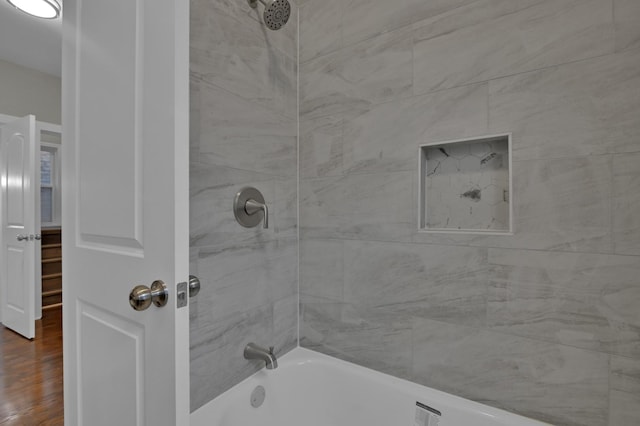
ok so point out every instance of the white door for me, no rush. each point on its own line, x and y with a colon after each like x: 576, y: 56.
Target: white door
x: 125, y: 210
x: 19, y: 156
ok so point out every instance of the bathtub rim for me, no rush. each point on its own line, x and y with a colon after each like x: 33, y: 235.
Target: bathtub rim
x: 300, y: 356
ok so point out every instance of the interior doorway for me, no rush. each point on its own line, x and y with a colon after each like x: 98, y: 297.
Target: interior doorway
x: 31, y: 370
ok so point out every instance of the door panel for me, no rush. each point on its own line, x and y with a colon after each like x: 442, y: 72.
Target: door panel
x: 15, y: 199
x: 101, y: 334
x: 18, y: 173
x: 112, y: 73
x: 125, y: 221
x: 15, y: 271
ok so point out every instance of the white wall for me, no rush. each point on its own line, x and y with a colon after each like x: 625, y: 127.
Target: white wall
x: 26, y: 91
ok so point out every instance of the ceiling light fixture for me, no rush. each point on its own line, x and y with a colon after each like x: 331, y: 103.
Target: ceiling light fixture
x: 48, y: 9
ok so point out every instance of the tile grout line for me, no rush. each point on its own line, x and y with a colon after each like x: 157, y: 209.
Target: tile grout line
x: 299, y: 320
x: 448, y: 244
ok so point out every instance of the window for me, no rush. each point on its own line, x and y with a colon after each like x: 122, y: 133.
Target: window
x: 49, y: 185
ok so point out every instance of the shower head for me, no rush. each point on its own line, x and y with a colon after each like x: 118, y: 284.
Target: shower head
x: 276, y: 12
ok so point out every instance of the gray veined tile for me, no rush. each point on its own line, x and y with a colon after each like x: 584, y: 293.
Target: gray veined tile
x: 243, y: 123
x: 626, y: 17
x: 232, y: 51
x: 204, y: 14
x: 241, y: 278
x: 624, y: 402
x: 284, y: 208
x: 562, y: 204
x: 582, y: 300
x: 583, y: 108
x: 194, y: 117
x: 468, y: 14
x: 211, y: 193
x: 494, y: 38
x: 386, y: 136
x: 363, y: 19
x: 358, y: 335
x: 625, y: 375
x: 201, y: 10
x: 626, y: 203
x: 321, y: 268
x: 207, y: 336
x: 216, y: 357
x: 436, y: 282
x: 237, y: 133
x: 321, y: 146
x: 320, y: 27
x: 374, y: 206
x: 553, y: 383
x: 322, y: 92
x: 379, y: 69
x: 285, y: 325
x: 354, y: 77
x: 623, y: 408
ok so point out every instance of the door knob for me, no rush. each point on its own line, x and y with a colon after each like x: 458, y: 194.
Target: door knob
x: 194, y: 285
x: 38, y: 237
x: 142, y: 296
x: 21, y: 237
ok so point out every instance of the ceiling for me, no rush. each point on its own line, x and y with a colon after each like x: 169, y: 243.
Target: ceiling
x: 30, y: 42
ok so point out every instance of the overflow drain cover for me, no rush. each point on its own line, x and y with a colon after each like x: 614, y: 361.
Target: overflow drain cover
x: 257, y: 396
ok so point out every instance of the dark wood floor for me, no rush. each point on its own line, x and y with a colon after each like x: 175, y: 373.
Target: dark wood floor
x: 31, y: 374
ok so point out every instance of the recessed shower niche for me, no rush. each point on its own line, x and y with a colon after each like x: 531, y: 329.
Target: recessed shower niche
x: 465, y: 186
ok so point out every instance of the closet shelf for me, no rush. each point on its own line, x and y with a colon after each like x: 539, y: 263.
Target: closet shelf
x: 50, y: 246
x: 51, y: 276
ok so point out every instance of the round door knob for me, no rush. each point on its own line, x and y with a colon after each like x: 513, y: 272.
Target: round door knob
x: 194, y: 285
x: 142, y: 296
x: 21, y: 237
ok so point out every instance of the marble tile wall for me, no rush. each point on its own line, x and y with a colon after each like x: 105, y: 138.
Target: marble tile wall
x: 545, y: 322
x: 243, y: 133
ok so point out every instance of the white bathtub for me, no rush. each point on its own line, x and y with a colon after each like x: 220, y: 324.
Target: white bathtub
x: 312, y: 389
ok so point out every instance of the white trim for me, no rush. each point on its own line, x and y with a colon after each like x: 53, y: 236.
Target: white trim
x: 40, y: 125
x: 4, y: 119
x: 470, y: 139
x: 48, y: 127
x: 422, y: 201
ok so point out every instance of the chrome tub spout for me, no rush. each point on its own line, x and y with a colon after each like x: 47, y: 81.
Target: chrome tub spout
x: 253, y: 351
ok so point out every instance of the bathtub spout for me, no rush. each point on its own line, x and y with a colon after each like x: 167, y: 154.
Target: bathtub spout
x: 253, y: 351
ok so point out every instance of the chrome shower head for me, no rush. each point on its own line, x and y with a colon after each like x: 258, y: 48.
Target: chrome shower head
x: 276, y: 12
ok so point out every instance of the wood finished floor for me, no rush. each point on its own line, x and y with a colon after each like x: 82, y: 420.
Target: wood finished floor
x: 31, y: 374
